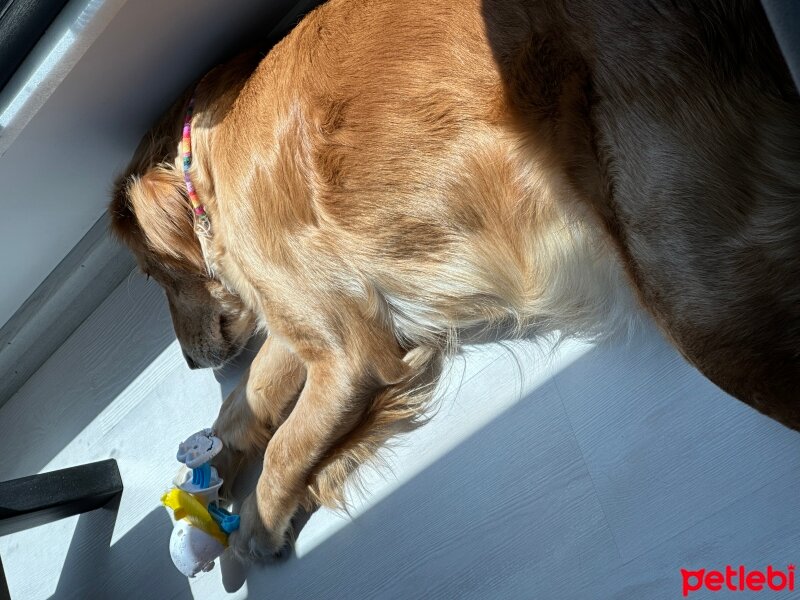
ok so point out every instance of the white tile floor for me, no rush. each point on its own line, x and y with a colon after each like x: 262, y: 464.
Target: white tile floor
x: 596, y: 474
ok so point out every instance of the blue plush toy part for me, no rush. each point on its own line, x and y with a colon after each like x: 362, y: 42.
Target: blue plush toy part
x: 201, y: 476
x: 226, y: 520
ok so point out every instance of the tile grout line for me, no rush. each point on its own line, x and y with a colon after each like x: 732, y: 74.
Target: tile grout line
x: 588, y: 471
x: 688, y: 527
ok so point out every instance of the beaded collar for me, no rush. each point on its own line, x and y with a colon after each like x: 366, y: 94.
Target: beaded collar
x: 197, y: 207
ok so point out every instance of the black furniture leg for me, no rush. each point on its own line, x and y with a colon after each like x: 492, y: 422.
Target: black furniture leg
x: 38, y: 499
x: 4, y: 593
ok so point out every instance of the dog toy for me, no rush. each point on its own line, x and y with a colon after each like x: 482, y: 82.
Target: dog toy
x: 202, y: 526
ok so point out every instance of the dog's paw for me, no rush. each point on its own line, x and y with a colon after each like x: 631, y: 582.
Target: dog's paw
x: 253, y: 542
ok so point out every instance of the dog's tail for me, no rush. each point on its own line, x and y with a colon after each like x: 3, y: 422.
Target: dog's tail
x: 396, y: 409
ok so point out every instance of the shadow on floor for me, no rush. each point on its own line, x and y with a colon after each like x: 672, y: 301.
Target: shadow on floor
x: 625, y: 454
x: 87, y: 373
x: 95, y: 569
x: 536, y: 503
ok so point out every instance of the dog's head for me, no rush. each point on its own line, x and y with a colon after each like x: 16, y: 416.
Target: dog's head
x: 151, y: 213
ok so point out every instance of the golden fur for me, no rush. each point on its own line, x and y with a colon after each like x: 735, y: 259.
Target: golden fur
x: 396, y: 178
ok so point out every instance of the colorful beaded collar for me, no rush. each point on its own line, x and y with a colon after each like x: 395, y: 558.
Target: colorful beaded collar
x: 197, y: 207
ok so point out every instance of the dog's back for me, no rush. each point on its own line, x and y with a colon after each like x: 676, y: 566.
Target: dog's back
x: 688, y: 149
x: 446, y: 161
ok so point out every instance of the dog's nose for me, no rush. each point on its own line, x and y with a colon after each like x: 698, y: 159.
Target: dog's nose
x: 189, y: 361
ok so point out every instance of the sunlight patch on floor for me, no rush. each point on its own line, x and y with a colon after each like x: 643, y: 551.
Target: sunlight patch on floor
x: 515, y: 369
x: 115, y: 430
x: 119, y: 408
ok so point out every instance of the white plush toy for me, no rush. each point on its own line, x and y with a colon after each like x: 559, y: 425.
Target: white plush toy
x: 201, y: 527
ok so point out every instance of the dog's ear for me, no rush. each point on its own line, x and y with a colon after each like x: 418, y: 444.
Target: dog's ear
x: 156, y: 209
x: 123, y: 221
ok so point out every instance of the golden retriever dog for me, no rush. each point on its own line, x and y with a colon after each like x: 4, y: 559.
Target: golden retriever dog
x: 398, y: 177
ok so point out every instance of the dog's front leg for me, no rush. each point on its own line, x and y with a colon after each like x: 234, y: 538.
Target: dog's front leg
x: 253, y: 411
x: 337, y: 391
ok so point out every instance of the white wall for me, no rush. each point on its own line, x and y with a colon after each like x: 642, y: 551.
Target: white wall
x: 56, y: 175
